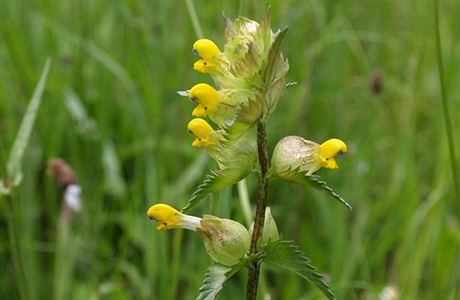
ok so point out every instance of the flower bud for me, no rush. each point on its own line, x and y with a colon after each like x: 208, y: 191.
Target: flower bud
x: 226, y: 241
x: 295, y: 153
x: 270, y: 231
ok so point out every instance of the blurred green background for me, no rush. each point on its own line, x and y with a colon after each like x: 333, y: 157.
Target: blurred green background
x: 110, y: 109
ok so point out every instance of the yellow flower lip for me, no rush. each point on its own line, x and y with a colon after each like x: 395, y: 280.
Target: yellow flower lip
x: 200, y: 66
x: 199, y: 111
x: 205, y: 67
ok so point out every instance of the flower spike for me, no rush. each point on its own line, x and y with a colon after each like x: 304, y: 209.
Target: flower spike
x: 329, y: 150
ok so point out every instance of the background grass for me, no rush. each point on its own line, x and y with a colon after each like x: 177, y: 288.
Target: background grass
x: 111, y: 110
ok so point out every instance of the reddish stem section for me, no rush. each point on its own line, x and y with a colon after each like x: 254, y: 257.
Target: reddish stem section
x: 253, y: 278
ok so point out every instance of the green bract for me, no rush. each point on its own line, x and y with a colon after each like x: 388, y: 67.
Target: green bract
x: 295, y: 154
x: 226, y: 241
x: 270, y: 231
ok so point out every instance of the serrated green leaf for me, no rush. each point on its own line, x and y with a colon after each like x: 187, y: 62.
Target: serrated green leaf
x: 214, y: 280
x: 275, y: 72
x: 316, y: 182
x: 285, y: 255
x: 214, y: 182
x: 274, y: 54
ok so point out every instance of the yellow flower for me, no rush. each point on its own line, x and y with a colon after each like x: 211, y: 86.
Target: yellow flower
x: 203, y: 66
x: 329, y: 150
x: 295, y: 154
x: 202, y: 131
x: 168, y: 217
x: 224, y: 106
x: 226, y: 241
x: 206, y: 49
x: 206, y: 97
x: 209, y: 53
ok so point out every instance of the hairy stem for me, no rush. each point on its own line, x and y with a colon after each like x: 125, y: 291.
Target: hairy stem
x: 253, y: 278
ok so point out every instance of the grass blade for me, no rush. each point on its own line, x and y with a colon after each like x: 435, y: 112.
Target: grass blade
x: 445, y: 103
x: 14, y: 164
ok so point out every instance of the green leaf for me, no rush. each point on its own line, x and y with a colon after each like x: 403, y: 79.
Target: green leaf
x: 285, y: 255
x: 316, y: 182
x: 214, y: 280
x: 214, y: 182
x: 14, y: 165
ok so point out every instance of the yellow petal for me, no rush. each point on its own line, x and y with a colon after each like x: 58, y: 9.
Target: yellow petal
x: 331, y: 163
x: 199, y: 111
x: 200, y: 66
x: 196, y: 143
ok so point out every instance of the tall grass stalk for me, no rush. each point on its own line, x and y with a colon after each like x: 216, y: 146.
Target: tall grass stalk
x: 193, y: 16
x: 445, y: 103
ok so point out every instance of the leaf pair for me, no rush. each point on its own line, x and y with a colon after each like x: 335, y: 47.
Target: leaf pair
x: 219, y: 179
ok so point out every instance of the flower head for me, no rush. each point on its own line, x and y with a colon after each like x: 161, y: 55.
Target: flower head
x: 204, y: 66
x: 202, y: 131
x: 207, y: 98
x: 168, y: 217
x: 329, y: 150
x: 296, y: 154
x: 226, y: 241
x: 209, y: 53
x: 206, y: 49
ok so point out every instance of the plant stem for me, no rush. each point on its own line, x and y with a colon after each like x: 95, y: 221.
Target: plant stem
x: 445, y: 104
x: 262, y: 189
